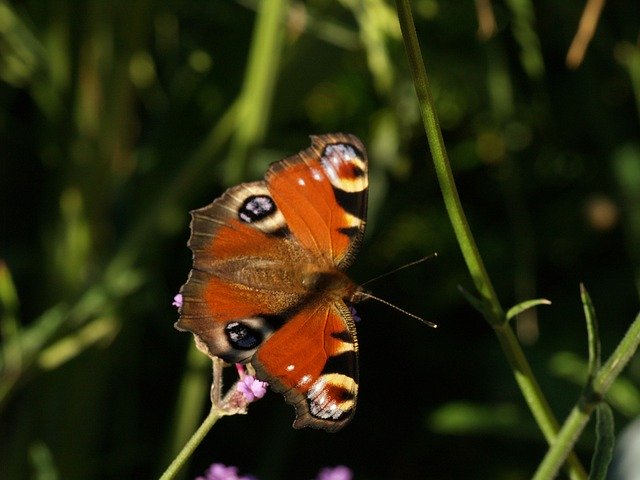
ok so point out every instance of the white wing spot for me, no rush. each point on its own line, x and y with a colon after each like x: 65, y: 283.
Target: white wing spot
x: 316, y: 174
x: 304, y: 380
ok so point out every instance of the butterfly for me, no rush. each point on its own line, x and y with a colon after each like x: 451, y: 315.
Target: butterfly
x: 268, y: 285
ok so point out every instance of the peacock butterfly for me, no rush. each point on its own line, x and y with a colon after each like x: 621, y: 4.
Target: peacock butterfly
x: 268, y: 285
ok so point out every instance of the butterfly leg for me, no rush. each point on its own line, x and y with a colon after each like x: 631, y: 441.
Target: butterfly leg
x: 216, y: 384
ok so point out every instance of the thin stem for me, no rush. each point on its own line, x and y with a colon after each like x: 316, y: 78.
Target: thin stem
x: 618, y: 359
x: 441, y: 163
x: 190, y: 403
x: 584, y: 35
x: 191, y: 445
x: 579, y: 416
x: 493, y: 311
x: 564, y: 441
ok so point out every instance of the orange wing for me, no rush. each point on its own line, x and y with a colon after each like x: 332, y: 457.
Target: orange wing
x: 322, y: 193
x: 313, y: 361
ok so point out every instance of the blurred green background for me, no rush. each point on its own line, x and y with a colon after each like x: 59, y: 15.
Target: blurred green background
x: 117, y: 118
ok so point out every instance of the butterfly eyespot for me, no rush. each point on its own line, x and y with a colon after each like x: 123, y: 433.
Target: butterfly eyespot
x: 345, y: 167
x: 256, y: 208
x: 242, y: 337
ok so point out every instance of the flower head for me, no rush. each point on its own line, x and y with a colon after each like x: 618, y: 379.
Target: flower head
x: 354, y: 314
x: 339, y: 472
x: 252, y: 388
x: 219, y: 471
x: 177, y: 301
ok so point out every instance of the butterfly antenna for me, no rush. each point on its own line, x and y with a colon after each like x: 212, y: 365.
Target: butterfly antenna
x: 409, y: 314
x: 411, y: 264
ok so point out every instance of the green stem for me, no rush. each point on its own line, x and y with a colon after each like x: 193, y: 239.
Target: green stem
x: 493, y: 311
x: 579, y: 416
x: 526, y: 380
x: 190, y: 402
x: 442, y: 166
x: 195, y: 440
x: 619, y: 359
x: 564, y: 441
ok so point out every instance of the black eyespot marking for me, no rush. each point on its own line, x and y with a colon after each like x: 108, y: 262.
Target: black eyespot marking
x: 256, y: 208
x: 242, y: 336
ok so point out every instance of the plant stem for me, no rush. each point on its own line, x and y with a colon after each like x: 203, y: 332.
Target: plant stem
x: 442, y: 166
x: 493, y: 311
x: 190, y: 403
x: 191, y: 445
x: 579, y: 416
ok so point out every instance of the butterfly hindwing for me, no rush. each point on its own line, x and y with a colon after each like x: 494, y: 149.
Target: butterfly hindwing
x: 267, y: 283
x: 313, y: 361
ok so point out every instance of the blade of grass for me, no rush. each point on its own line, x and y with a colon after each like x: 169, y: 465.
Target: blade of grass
x: 592, y: 332
x: 10, y: 328
x: 589, y: 400
x: 526, y: 305
x: 605, y: 441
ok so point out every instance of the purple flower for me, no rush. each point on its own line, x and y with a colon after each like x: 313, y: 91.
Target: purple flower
x: 177, y: 300
x: 339, y: 472
x: 252, y: 388
x: 219, y: 471
x: 354, y: 314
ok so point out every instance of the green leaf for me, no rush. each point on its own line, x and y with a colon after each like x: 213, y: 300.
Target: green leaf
x: 592, y: 331
x: 473, y: 300
x: 604, y: 443
x: 42, y: 462
x: 10, y: 329
x: 526, y: 305
x: 467, y: 418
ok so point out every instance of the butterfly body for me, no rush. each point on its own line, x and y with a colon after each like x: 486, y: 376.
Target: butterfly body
x: 268, y: 284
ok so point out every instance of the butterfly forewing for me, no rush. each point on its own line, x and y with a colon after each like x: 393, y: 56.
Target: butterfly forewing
x: 322, y: 192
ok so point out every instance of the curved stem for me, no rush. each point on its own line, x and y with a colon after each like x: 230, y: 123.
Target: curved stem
x: 580, y: 414
x: 442, y: 166
x: 190, y: 446
x: 492, y: 309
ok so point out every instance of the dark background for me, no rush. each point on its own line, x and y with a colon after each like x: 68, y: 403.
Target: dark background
x: 114, y: 123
